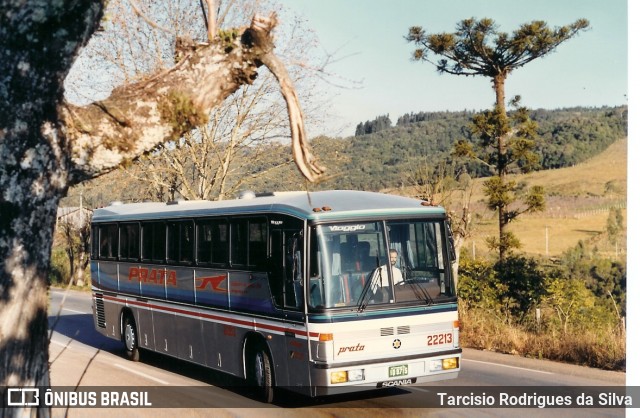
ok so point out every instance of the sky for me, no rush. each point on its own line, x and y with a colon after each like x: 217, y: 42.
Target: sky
x: 374, y: 61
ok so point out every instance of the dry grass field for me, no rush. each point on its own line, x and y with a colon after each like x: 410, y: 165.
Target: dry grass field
x: 578, y: 202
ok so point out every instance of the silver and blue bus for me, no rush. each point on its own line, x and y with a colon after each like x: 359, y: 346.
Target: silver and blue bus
x: 316, y: 292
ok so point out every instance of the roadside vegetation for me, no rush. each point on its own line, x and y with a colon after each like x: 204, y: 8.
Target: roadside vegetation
x: 572, y: 312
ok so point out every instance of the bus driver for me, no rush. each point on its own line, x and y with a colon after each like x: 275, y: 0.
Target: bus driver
x: 395, y: 271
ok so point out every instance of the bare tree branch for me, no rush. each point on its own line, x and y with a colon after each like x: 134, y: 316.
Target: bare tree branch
x: 302, y: 155
x: 211, y: 18
x: 173, y: 102
x: 136, y: 8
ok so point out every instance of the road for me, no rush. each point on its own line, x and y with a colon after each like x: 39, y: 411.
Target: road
x: 81, y: 356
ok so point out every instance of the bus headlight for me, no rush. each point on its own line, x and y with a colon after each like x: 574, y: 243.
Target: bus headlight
x: 344, y: 376
x: 339, y: 377
x: 355, y: 375
x: 450, y: 363
x: 444, y: 364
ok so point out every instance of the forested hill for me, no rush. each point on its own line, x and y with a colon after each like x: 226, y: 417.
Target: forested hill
x: 386, y: 157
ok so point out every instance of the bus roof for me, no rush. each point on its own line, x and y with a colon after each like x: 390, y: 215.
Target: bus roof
x: 319, y: 206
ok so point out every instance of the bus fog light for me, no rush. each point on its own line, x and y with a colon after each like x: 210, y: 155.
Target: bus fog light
x: 339, y: 377
x: 356, y: 375
x: 450, y: 363
x: 436, y: 365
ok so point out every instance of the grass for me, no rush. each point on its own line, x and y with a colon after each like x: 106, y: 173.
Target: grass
x: 603, y: 349
x: 577, y: 207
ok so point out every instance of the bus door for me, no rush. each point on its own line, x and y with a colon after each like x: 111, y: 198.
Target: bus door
x: 286, y: 281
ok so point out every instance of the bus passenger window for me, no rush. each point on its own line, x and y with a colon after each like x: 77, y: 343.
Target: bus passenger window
x: 95, y: 242
x: 186, y: 242
x: 129, y: 242
x: 205, y: 242
x: 239, y: 242
x: 154, y: 239
x: 258, y: 242
x: 180, y: 236
x: 172, y: 242
x: 220, y: 237
x: 108, y: 241
x: 293, y: 271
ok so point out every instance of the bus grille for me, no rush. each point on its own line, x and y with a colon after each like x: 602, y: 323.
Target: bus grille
x: 100, y: 320
x: 386, y: 331
x: 404, y: 329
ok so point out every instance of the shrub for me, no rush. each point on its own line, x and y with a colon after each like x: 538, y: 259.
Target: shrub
x: 498, y: 306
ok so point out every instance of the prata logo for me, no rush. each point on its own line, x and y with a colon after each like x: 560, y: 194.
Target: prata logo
x: 347, y: 228
x: 352, y: 348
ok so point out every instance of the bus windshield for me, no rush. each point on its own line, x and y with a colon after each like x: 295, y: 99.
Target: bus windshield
x: 357, y: 265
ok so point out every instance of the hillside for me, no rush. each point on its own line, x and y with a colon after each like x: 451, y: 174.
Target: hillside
x: 389, y: 158
x: 578, y: 202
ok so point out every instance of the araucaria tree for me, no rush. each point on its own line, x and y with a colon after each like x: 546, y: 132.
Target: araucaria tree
x: 47, y: 144
x: 477, y: 48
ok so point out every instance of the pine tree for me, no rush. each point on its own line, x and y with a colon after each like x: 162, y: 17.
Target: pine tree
x: 477, y: 48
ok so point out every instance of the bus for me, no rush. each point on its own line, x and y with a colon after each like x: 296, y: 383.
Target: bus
x: 316, y: 292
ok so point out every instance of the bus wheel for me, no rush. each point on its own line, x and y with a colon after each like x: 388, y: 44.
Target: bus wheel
x: 131, y: 339
x: 262, y: 375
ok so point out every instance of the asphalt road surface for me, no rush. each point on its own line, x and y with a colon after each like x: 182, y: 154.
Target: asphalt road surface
x: 82, y: 357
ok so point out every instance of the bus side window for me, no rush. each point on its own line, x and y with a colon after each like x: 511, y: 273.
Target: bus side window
x: 180, y: 240
x: 276, y: 261
x: 212, y: 243
x: 221, y: 243
x: 108, y: 241
x: 239, y: 247
x: 130, y: 241
x: 316, y: 281
x: 258, y: 243
x: 187, y: 242
x: 285, y: 268
x: 154, y: 239
x: 204, y: 242
x: 172, y: 241
x: 293, y: 272
x: 95, y: 242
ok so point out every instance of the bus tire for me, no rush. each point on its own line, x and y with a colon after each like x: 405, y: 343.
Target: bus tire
x: 130, y: 338
x: 261, y: 374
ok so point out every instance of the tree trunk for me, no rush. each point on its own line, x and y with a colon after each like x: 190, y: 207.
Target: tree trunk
x: 81, y: 268
x: 498, y: 86
x: 39, y: 42
x: 25, y: 246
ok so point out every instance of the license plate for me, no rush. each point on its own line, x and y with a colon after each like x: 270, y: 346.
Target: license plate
x: 401, y: 370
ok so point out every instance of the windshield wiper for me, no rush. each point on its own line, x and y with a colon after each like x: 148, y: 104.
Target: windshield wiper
x: 363, y: 301
x: 420, y: 292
